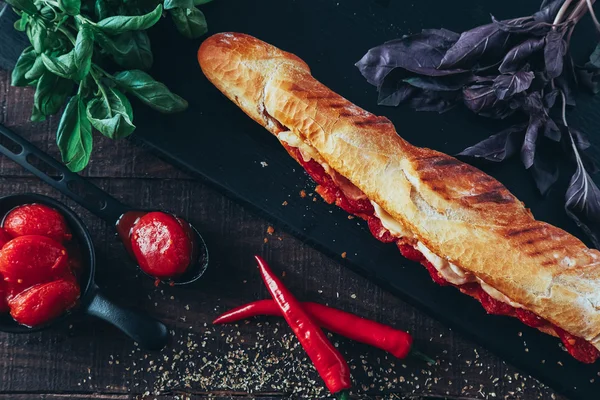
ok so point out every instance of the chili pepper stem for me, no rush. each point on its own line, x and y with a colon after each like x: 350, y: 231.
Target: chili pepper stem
x: 417, y: 354
x: 343, y: 395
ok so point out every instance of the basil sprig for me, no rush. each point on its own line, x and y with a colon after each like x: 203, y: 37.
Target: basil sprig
x: 71, y: 42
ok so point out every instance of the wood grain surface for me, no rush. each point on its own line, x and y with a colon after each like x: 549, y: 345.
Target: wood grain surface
x: 88, y: 359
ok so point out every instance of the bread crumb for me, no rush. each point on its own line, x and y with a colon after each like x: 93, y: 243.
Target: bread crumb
x: 303, y: 193
x: 285, y: 203
x: 344, y: 255
x: 280, y: 239
x: 270, y: 230
x: 265, y: 240
x: 314, y: 199
x: 264, y: 164
x: 350, y: 216
x: 283, y: 274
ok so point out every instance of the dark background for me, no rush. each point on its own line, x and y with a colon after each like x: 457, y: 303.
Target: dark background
x: 220, y: 143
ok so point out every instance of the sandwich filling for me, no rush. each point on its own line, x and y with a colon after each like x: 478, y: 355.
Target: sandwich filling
x: 336, y: 189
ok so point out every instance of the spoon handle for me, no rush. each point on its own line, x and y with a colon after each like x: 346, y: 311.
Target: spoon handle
x: 150, y: 333
x: 60, y: 177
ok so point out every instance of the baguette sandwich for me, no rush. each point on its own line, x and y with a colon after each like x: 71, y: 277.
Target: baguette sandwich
x: 465, y: 227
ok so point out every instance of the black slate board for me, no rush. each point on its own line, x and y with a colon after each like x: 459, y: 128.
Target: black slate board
x: 217, y: 142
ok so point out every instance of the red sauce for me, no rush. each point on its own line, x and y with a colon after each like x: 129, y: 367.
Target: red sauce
x: 37, y: 219
x: 377, y: 230
x: 579, y: 348
x: 162, y: 244
x: 329, y: 190
x: 38, y: 274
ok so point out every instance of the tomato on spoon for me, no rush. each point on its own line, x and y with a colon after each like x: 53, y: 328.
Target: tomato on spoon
x: 161, y: 244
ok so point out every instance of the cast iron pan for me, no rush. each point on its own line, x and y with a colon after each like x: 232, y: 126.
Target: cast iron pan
x: 148, y: 332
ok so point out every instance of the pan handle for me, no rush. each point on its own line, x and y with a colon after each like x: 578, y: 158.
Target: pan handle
x: 150, y: 333
x: 60, y: 177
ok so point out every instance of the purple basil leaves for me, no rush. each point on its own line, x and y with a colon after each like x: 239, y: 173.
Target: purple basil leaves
x: 554, y: 52
x: 497, y: 147
x: 519, y: 66
x: 472, y: 45
x: 519, y: 54
x: 420, y: 53
x: 582, y: 200
x: 548, y: 10
x: 507, y: 85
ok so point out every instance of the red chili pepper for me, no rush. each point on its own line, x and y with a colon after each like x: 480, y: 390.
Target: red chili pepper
x: 394, y: 341
x: 328, y: 362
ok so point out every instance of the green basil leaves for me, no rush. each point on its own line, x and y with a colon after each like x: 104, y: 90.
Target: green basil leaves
x: 83, y: 50
x: 129, y: 49
x: 150, y: 92
x: 74, y: 135
x: 119, y: 24
x: 190, y: 22
x: 25, y: 5
x: 73, y: 41
x: 51, y: 93
x: 170, y: 4
x: 111, y: 113
x: 71, y: 7
x: 24, y: 64
x: 63, y: 66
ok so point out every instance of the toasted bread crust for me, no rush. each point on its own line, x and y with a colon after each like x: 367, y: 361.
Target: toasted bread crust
x: 456, y: 210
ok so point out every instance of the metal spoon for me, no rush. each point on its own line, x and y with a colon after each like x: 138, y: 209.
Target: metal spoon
x: 90, y: 196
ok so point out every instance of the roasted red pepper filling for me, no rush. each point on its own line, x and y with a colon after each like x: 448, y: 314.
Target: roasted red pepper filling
x: 579, y: 348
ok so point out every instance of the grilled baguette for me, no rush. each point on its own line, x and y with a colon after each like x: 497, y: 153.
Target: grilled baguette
x: 456, y: 210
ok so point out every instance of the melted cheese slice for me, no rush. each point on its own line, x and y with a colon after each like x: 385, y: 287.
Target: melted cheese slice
x: 389, y: 223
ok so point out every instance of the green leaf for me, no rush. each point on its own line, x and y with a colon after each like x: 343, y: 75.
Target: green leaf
x: 169, y: 4
x: 23, y: 65
x: 21, y: 23
x: 24, y: 5
x: 111, y: 114
x: 36, y: 115
x: 129, y: 49
x: 119, y: 24
x: 102, y: 9
x: 51, y: 93
x: 37, y: 35
x: 74, y: 135
x: 48, y: 13
x: 83, y: 50
x: 71, y: 7
x: 189, y: 22
x: 150, y: 92
x: 63, y: 66
x: 36, y: 70
x: 200, y: 2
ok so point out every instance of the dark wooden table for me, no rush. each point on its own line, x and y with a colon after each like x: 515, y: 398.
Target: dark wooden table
x: 256, y: 359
